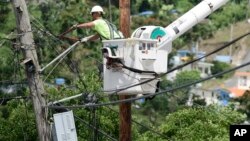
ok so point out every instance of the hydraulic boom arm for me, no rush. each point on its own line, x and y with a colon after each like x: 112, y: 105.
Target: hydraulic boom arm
x: 193, y: 17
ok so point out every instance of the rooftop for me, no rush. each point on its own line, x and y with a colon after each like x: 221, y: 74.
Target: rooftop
x: 236, y: 92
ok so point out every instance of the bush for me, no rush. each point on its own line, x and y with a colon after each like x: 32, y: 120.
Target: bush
x: 220, y: 67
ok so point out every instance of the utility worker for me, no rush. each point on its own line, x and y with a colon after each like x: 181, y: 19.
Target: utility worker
x: 105, y: 30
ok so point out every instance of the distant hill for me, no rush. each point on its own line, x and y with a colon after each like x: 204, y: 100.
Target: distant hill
x: 223, y: 36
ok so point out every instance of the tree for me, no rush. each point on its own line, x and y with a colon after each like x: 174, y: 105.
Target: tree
x: 220, y: 67
x: 200, y: 123
x: 244, y: 102
x: 17, y: 121
x: 171, y: 101
x: 7, y: 24
x: 55, y: 16
x: 7, y: 65
x: 186, y: 77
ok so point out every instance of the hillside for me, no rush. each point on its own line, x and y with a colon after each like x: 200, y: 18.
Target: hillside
x: 239, y: 49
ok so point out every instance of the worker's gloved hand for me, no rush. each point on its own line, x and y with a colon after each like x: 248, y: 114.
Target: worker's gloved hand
x: 74, y: 26
x: 84, y: 39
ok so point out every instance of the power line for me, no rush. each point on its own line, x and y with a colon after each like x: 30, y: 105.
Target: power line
x: 12, y: 82
x: 178, y: 67
x: 100, y: 131
x: 16, y: 97
x: 201, y: 57
x: 58, y: 40
x: 48, y: 33
x: 51, y: 35
x: 56, y: 66
x: 90, y: 125
x: 150, y: 95
x: 144, y: 126
x: 8, y: 38
x: 3, y: 100
x: 181, y: 66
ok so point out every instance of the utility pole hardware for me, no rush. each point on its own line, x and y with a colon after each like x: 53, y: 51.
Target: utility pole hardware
x: 32, y: 66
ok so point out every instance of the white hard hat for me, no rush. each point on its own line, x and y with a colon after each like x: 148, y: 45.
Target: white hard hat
x: 97, y: 8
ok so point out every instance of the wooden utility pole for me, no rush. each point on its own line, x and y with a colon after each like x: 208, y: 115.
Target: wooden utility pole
x: 125, y: 17
x: 31, y: 66
x: 125, y: 108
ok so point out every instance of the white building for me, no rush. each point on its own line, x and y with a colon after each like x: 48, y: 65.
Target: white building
x: 243, y: 84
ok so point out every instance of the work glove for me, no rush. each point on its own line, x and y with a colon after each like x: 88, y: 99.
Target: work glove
x: 84, y: 39
x: 74, y: 26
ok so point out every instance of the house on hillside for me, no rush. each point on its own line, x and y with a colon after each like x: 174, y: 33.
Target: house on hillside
x: 184, y: 54
x: 243, y: 84
x: 217, y: 96
x: 183, y: 57
x: 223, y: 58
x: 204, y: 68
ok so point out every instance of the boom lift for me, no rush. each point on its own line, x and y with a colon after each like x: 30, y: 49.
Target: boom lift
x: 131, y: 61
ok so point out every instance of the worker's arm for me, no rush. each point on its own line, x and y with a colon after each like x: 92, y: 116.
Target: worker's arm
x: 67, y: 31
x: 94, y: 37
x: 85, y: 25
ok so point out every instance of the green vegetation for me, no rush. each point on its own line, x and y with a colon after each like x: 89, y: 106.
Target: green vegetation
x: 220, y: 67
x: 210, y: 123
x: 244, y: 104
x: 165, y: 113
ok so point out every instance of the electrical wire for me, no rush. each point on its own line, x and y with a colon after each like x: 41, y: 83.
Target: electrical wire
x: 2, y: 101
x: 156, y: 93
x: 150, y: 95
x: 196, y: 59
x: 16, y: 97
x: 55, y: 38
x: 6, y: 39
x: 56, y: 66
x: 78, y: 75
x: 90, y: 125
x: 12, y: 82
x: 58, y: 40
x: 124, y: 87
x: 93, y: 127
x: 144, y: 126
x: 37, y: 89
x: 201, y: 57
x: 181, y: 66
x: 49, y: 33
x: 115, y: 91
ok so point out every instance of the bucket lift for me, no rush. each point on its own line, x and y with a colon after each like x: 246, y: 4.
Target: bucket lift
x: 141, y: 55
x: 131, y: 61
